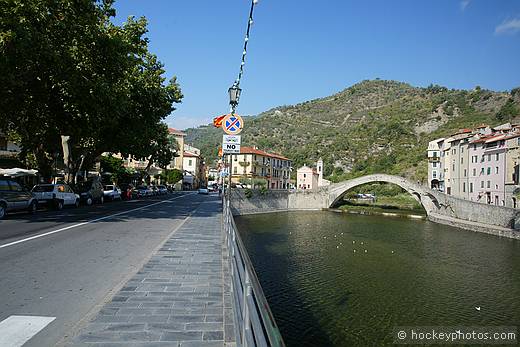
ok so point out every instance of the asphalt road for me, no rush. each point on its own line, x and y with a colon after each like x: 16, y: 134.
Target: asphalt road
x: 67, y: 264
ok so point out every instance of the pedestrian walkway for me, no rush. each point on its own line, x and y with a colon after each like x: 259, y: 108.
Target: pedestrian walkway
x: 179, y: 298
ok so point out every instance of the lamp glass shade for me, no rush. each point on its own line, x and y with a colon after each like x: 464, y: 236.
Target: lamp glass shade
x: 234, y: 95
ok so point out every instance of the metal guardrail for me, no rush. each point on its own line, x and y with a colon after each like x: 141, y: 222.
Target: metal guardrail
x: 254, y: 322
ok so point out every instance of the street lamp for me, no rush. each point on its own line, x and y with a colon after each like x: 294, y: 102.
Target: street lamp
x: 234, y: 96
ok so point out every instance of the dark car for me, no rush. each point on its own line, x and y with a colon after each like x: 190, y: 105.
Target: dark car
x: 162, y: 190
x: 15, y: 198
x: 90, y: 192
x: 140, y: 192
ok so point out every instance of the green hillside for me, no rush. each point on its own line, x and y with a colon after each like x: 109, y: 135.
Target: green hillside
x: 372, y: 127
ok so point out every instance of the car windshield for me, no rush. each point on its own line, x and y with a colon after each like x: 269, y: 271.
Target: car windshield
x: 109, y: 187
x: 43, y: 188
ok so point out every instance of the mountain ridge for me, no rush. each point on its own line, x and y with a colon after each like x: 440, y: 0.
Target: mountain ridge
x: 371, y: 126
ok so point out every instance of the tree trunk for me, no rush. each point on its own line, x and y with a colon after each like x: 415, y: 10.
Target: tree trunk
x: 44, y: 165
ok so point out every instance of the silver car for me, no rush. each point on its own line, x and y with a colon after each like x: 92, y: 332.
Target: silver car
x: 15, y: 198
x: 112, y: 192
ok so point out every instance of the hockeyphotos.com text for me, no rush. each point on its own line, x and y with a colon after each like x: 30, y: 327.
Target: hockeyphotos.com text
x: 455, y: 335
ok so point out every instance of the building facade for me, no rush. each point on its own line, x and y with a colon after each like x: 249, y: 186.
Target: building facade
x: 177, y: 162
x: 311, y: 178
x: 253, y: 163
x: 435, y: 167
x: 307, y: 178
x: 512, y: 171
x: 480, y: 165
x: 193, y: 167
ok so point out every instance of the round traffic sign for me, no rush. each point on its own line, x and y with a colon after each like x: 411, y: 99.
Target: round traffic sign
x: 232, y: 124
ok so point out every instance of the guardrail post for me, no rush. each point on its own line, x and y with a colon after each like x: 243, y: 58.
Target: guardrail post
x: 245, y: 309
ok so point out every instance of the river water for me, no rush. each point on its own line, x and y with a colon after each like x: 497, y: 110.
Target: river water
x: 336, y: 279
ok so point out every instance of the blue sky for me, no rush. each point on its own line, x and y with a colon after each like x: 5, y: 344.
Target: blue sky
x: 302, y: 50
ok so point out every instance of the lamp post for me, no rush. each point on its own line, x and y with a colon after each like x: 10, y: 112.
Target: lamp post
x: 234, y: 96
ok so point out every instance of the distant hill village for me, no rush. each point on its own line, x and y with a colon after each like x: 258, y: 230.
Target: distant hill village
x: 188, y: 160
x: 480, y: 164
x: 257, y: 168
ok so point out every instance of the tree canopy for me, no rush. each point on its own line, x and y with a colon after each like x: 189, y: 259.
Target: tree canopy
x: 66, y: 69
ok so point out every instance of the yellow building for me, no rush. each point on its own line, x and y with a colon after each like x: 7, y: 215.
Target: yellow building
x: 256, y: 164
x: 177, y: 162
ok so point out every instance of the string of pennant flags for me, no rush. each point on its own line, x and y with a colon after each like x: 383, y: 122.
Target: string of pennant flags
x: 226, y: 121
x: 232, y: 124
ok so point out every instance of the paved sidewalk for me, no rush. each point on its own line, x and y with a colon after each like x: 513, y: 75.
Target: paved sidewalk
x: 179, y: 298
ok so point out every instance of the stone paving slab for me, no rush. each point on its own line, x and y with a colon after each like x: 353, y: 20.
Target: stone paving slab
x: 180, y: 297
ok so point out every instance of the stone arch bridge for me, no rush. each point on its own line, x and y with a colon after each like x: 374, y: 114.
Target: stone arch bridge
x: 338, y: 190
x: 440, y: 207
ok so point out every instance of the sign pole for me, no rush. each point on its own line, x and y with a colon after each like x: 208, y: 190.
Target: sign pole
x: 229, y: 180
x: 230, y: 146
x: 232, y: 124
x: 231, y: 164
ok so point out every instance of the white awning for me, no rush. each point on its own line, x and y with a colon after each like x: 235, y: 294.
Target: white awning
x: 17, y: 172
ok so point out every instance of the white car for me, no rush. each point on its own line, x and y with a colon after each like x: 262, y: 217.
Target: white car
x: 59, y: 195
x: 203, y: 191
x: 112, y: 192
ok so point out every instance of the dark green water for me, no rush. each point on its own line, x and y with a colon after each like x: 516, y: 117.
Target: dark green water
x: 325, y: 290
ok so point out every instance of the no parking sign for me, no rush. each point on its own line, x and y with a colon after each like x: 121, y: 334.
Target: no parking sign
x: 232, y: 124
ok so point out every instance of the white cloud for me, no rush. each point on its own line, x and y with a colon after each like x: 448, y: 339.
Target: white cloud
x: 464, y: 4
x: 510, y: 26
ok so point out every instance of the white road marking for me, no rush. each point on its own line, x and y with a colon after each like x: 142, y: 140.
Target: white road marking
x: 17, y: 330
x: 88, y: 222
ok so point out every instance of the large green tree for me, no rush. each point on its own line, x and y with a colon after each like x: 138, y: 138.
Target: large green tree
x: 66, y: 69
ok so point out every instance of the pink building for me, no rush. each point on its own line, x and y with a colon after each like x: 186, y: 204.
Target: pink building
x: 488, y: 170
x: 307, y: 178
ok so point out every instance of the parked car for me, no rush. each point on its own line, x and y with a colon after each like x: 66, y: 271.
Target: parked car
x: 90, y: 192
x: 15, y: 198
x: 56, y: 195
x: 203, y: 190
x: 135, y: 194
x: 162, y: 190
x: 154, y: 190
x: 112, y: 192
x: 141, y: 192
